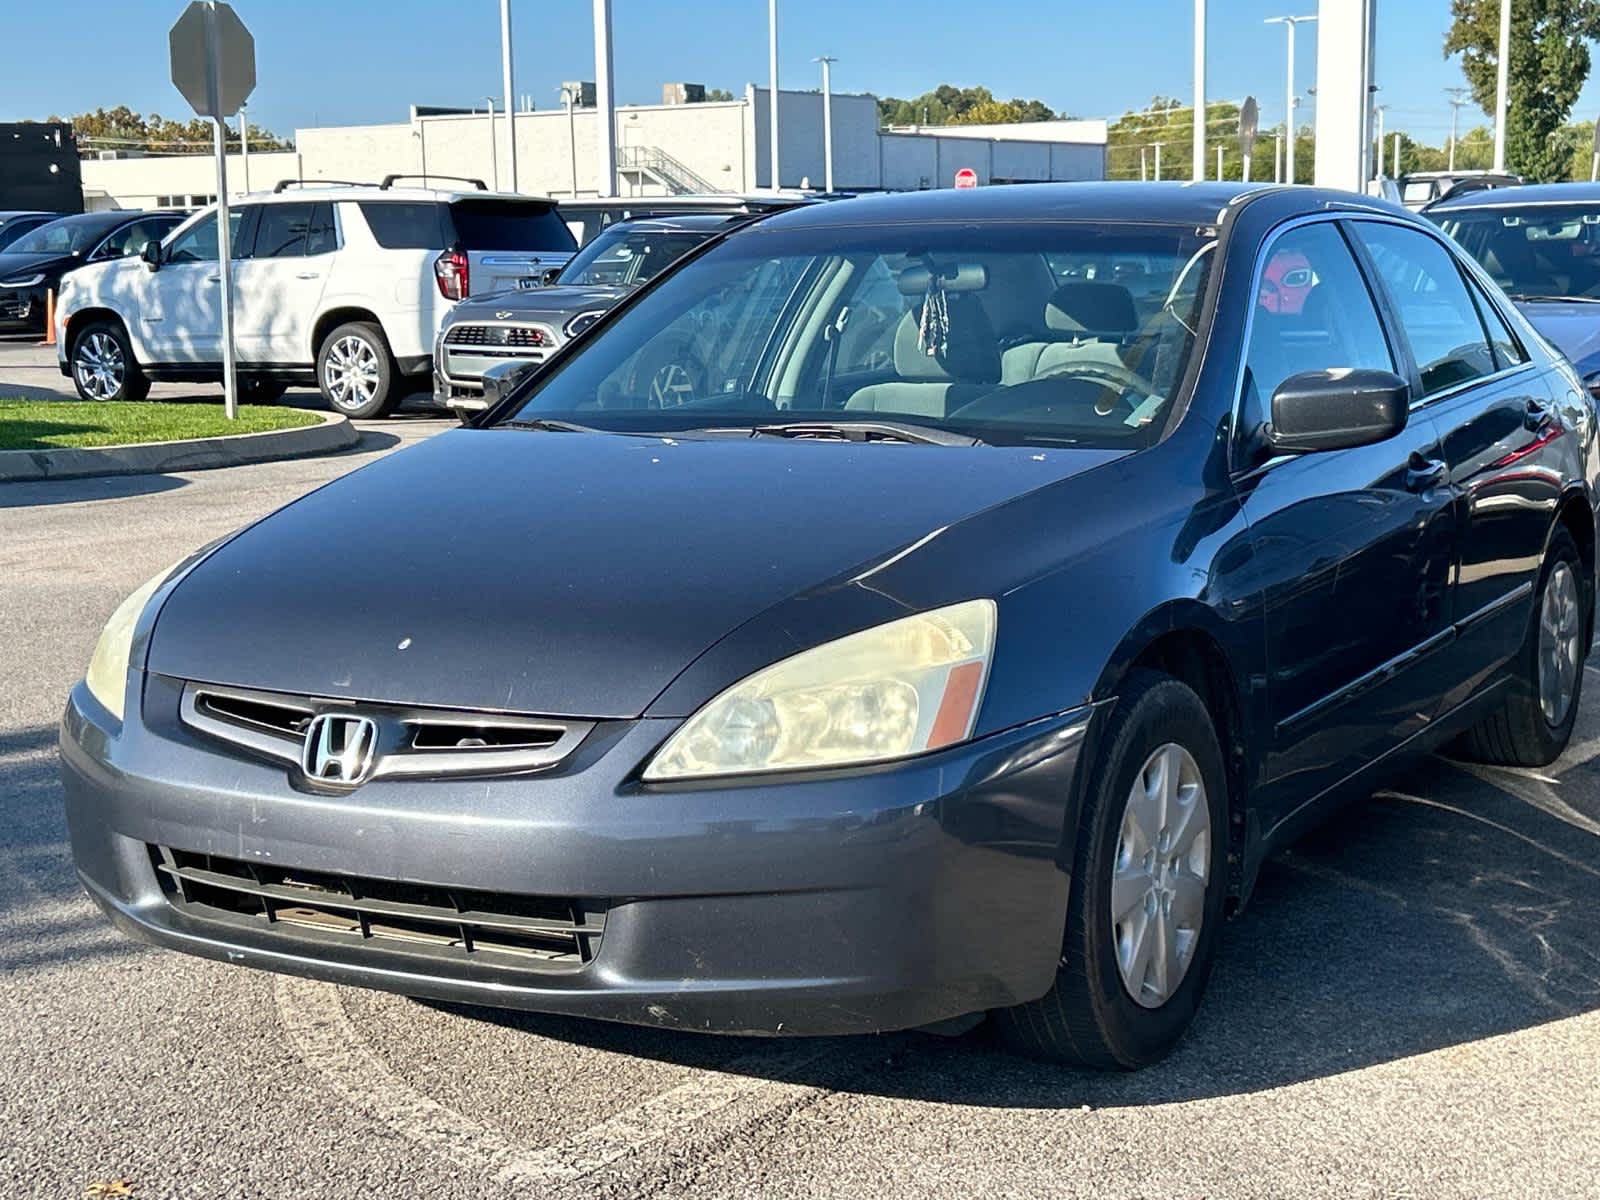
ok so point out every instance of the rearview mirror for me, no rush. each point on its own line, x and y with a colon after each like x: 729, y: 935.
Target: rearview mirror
x: 151, y: 254
x: 502, y: 379
x: 1337, y: 409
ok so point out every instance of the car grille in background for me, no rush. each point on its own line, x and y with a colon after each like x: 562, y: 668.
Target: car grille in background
x: 514, y: 336
x: 525, y: 932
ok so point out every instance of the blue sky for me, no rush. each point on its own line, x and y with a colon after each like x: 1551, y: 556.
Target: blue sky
x: 353, y: 61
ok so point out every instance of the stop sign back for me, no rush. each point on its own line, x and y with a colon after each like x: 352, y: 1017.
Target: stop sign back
x: 966, y: 178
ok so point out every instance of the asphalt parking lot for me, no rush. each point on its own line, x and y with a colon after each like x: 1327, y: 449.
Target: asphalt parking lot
x: 1410, y: 1007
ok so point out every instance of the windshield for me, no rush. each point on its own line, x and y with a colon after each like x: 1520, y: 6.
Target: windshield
x: 626, y: 257
x: 1066, y: 333
x: 60, y: 237
x: 1537, y: 250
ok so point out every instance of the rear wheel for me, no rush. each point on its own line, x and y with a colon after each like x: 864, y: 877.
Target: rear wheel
x: 1534, y: 722
x: 356, y: 372
x: 1148, y: 884
x: 103, y: 366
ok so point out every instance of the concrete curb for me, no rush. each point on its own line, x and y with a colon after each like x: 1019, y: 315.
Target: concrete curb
x: 333, y: 433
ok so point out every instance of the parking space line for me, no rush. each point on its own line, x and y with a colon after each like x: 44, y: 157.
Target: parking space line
x: 325, y: 1038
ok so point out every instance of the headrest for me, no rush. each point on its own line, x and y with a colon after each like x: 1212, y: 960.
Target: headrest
x: 1105, y: 308
x: 971, y: 356
x: 956, y: 277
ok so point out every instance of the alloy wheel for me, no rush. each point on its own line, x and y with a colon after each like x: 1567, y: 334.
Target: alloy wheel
x: 1162, y: 871
x: 350, y: 374
x: 1560, y: 634
x: 100, y: 365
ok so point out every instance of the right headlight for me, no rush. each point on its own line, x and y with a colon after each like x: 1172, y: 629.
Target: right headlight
x: 107, y: 676
x: 895, y: 690
x: 582, y: 321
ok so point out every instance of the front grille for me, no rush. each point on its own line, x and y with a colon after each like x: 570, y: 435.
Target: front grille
x: 14, y: 306
x: 542, y: 933
x: 516, y: 336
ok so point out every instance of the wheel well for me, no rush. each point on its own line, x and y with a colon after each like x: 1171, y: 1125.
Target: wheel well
x: 1195, y: 659
x: 1577, y: 518
x: 333, y: 318
x: 85, y: 316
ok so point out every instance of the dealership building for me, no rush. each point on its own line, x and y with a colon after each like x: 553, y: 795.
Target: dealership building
x: 680, y: 146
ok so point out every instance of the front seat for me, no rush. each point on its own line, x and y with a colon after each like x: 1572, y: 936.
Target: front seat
x: 1091, y: 321
x: 934, y: 385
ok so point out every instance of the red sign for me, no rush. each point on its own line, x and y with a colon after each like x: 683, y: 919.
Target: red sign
x: 966, y: 177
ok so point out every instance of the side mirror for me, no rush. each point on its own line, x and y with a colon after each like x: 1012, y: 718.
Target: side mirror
x: 502, y: 379
x: 151, y: 254
x: 1336, y: 409
x: 550, y: 275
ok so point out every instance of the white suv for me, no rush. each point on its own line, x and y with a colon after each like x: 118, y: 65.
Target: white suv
x: 344, y: 286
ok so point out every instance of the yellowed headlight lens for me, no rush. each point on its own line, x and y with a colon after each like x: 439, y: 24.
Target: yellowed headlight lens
x: 107, y: 676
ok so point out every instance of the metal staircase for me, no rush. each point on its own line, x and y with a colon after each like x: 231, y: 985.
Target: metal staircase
x: 646, y: 165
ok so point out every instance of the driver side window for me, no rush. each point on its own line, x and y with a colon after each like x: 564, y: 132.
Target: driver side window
x: 1313, y: 312
x: 199, y: 242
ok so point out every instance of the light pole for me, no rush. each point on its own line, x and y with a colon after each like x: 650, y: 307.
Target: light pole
x: 1457, y: 101
x: 1502, y: 86
x: 772, y: 70
x: 1158, y: 161
x: 244, y: 147
x: 1199, y: 90
x: 1290, y: 99
x: 494, y: 152
x: 1378, y: 110
x: 605, y: 110
x: 510, y: 94
x: 1277, y: 158
x: 569, y: 100
x: 827, y: 121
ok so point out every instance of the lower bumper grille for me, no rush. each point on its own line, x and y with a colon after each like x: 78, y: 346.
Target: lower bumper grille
x: 525, y: 932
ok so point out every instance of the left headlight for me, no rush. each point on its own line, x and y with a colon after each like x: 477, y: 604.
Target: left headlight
x: 107, y: 676
x: 22, y: 281
x: 899, y: 689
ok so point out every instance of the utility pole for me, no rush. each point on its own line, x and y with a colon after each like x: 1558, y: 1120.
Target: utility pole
x: 772, y: 70
x: 1457, y: 102
x: 827, y: 121
x: 1290, y: 98
x: 569, y: 99
x: 605, y: 109
x: 510, y: 94
x: 1502, y: 81
x: 494, y: 151
x: 1199, y: 90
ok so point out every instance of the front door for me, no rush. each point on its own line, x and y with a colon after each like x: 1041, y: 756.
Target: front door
x: 1351, y: 548
x: 181, y: 304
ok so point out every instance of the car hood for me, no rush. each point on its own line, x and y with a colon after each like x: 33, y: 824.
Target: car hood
x: 556, y: 300
x: 32, y: 264
x: 1572, y: 326
x: 561, y: 574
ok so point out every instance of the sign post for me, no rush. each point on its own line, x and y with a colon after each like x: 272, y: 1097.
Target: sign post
x: 1249, y: 127
x: 966, y: 177
x: 1594, y: 163
x: 214, y: 66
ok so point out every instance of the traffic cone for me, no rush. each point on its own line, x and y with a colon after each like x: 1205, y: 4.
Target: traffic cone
x: 49, y: 317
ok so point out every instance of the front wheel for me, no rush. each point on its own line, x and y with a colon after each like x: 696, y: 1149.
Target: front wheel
x: 1148, y: 883
x: 356, y: 372
x: 103, y: 366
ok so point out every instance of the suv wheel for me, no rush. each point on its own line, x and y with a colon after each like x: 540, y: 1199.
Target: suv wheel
x: 103, y: 366
x: 1148, y: 883
x: 356, y: 371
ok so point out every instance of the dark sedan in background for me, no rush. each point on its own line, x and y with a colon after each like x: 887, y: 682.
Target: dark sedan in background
x: 970, y: 660
x: 525, y: 327
x: 32, y: 266
x: 14, y: 223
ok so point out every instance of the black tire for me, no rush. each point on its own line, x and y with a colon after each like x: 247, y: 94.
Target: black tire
x: 103, y: 365
x: 1089, y: 1017
x: 365, y: 343
x: 260, y: 391
x: 1518, y: 733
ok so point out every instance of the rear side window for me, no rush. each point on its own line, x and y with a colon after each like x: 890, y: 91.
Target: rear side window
x: 281, y: 231
x: 406, y: 225
x: 1437, y: 315
x: 509, y: 225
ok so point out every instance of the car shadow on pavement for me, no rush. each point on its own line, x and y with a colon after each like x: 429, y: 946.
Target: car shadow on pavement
x: 33, y: 493
x: 1457, y: 905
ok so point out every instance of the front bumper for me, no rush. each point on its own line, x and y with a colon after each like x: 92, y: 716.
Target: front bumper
x: 850, y: 902
x: 23, y: 309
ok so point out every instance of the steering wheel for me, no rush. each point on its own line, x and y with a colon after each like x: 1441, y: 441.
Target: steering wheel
x: 1124, y: 384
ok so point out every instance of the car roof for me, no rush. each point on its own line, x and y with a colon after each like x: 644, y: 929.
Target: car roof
x: 11, y: 214
x: 108, y: 220
x: 1522, y: 195
x: 300, y: 191
x: 676, y: 221
x: 703, y: 202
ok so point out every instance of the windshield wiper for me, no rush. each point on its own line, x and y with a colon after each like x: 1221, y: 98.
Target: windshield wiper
x: 546, y: 425
x: 866, y: 431
x: 1537, y: 299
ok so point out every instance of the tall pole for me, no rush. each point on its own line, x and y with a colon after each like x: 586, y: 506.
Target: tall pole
x: 510, y: 94
x: 1502, y: 86
x: 1199, y: 89
x: 572, y: 137
x: 827, y: 122
x: 1394, y: 159
x: 244, y: 147
x: 1158, y: 162
x: 772, y: 102
x: 230, y: 376
x: 494, y: 152
x: 1219, y: 164
x: 1144, y: 166
x: 1277, y: 158
x: 1456, y: 103
x: 605, y: 109
x: 1290, y: 99
x: 1378, y: 110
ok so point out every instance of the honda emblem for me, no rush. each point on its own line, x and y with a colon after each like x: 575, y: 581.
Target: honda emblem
x: 339, y: 749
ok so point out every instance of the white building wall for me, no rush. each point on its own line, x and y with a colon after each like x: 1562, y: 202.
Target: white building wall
x: 143, y: 182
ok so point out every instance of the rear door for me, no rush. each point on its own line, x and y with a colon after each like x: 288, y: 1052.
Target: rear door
x: 509, y: 243
x: 1492, y: 407
x: 279, y: 282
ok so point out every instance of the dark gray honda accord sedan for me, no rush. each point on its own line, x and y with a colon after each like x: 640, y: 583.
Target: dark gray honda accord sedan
x: 1027, y: 564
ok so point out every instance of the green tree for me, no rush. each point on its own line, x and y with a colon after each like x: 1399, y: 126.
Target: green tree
x: 1548, y: 66
x: 718, y: 94
x: 950, y: 105
x: 121, y: 128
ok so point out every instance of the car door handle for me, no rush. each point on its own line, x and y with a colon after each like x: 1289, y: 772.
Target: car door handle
x: 309, y: 275
x: 1536, y: 416
x: 213, y: 278
x: 1425, y: 474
